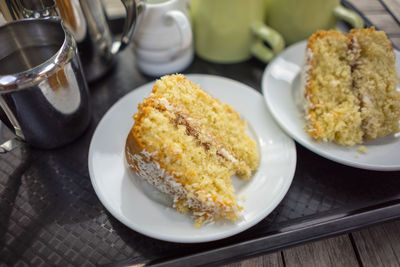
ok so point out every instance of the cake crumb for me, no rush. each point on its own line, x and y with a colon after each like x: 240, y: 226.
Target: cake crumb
x: 243, y: 198
x: 362, y: 149
x: 198, y: 224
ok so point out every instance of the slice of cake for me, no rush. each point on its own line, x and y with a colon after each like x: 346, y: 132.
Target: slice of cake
x: 350, y: 86
x: 188, y: 144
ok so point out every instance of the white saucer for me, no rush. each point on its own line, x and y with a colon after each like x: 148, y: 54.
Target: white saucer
x: 146, y: 211
x: 281, y: 89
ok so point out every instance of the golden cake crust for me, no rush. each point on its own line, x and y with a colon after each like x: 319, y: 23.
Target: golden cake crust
x: 314, y: 129
x: 316, y: 125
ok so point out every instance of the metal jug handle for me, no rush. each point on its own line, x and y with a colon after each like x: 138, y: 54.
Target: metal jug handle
x: 132, y: 10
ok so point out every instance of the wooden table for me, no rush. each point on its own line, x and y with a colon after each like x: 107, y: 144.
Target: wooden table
x: 374, y: 246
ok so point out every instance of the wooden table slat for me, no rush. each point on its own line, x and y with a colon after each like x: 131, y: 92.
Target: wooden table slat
x: 394, y: 7
x: 336, y: 251
x: 367, y: 5
x: 384, y: 22
x: 270, y: 260
x: 396, y: 41
x: 379, y: 245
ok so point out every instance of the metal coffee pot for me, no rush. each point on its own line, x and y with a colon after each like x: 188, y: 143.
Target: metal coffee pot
x: 87, y: 22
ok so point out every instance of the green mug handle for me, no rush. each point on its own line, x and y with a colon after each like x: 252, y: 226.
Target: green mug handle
x: 264, y: 33
x: 349, y: 16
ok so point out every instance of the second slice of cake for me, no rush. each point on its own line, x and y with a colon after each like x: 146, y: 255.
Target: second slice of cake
x: 350, y: 86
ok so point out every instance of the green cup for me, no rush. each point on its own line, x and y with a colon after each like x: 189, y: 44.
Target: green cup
x: 230, y: 31
x: 297, y: 20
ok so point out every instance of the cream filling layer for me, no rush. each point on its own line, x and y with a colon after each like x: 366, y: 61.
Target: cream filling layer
x: 194, y: 129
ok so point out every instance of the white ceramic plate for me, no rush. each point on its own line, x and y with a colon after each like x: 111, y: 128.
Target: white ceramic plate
x: 281, y: 89
x: 145, y: 210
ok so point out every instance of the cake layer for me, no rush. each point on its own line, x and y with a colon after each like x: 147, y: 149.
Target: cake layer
x: 333, y: 105
x: 220, y: 119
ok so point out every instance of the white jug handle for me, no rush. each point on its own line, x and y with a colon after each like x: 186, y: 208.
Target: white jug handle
x: 185, y: 29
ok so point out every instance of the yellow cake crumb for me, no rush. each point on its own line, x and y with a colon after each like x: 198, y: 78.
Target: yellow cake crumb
x: 362, y: 149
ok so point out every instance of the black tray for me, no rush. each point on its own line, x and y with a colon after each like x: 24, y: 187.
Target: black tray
x: 50, y: 214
